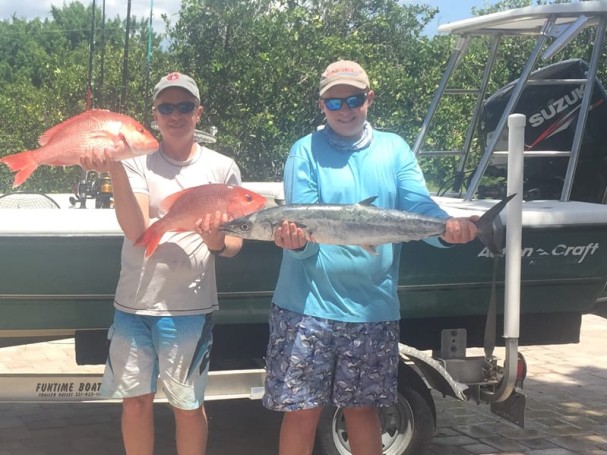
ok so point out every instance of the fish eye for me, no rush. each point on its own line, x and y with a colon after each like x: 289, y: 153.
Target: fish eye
x: 244, y: 227
x: 248, y: 197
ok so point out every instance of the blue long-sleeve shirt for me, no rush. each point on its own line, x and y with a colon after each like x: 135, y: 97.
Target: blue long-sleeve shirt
x: 347, y: 283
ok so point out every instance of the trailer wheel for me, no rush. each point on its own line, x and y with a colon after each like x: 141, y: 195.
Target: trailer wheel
x: 407, y: 427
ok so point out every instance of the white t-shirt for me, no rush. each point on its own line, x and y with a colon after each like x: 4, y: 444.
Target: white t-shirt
x: 179, y: 278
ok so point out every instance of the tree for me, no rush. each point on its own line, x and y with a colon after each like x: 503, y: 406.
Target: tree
x: 259, y: 63
x: 44, y: 65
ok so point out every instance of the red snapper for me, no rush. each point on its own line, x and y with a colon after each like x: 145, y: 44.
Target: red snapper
x: 186, y: 207
x: 93, y: 130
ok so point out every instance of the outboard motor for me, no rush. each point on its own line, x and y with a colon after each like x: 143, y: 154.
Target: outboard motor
x: 552, y: 113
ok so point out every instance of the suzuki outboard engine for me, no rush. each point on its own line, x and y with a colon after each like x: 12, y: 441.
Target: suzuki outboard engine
x: 552, y: 113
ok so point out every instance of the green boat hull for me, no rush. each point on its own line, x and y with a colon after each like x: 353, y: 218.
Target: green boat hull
x: 55, y: 285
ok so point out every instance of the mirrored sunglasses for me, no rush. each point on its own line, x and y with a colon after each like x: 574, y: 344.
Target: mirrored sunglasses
x: 184, y: 107
x: 354, y: 101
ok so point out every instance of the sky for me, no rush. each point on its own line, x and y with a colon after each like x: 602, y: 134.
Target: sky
x: 452, y: 10
x: 29, y: 9
x: 449, y: 10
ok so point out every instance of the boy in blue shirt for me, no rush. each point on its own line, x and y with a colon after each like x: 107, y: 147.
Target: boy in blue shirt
x: 334, y: 322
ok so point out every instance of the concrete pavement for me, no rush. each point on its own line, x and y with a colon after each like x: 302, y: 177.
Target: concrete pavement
x: 566, y: 390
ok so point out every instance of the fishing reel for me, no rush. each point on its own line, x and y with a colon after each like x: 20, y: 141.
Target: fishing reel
x: 102, y: 191
x: 93, y: 185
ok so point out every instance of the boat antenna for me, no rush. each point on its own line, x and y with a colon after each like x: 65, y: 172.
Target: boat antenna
x: 102, y: 58
x: 125, y: 60
x: 89, y: 78
x: 149, y: 55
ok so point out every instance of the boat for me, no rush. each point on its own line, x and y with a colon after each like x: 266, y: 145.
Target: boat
x: 59, y: 254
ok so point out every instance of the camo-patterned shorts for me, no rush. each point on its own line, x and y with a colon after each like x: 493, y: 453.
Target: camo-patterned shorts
x: 314, y: 362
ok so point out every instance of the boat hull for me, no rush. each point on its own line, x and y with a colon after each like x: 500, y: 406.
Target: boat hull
x: 55, y: 282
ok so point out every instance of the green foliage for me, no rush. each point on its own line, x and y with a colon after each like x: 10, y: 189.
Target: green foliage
x: 260, y: 61
x: 45, y: 66
x: 258, y: 64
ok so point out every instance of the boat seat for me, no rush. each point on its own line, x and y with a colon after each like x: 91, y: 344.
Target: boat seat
x: 27, y: 201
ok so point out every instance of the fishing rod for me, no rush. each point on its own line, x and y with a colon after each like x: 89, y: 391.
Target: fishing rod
x: 125, y: 59
x: 149, y: 57
x: 102, y: 58
x: 89, y: 84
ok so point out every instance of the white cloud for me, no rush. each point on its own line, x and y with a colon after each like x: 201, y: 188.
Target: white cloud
x: 30, y: 9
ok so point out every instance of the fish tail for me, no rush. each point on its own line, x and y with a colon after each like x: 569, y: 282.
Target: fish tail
x: 22, y: 162
x: 150, y: 238
x: 489, y: 232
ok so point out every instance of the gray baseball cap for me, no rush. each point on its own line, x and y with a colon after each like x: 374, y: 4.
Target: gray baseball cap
x: 177, y: 80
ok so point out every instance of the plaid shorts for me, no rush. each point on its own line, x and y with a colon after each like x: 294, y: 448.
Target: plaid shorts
x: 313, y: 362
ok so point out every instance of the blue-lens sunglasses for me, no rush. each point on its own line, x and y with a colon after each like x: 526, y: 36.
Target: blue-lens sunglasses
x: 354, y: 101
x: 184, y: 107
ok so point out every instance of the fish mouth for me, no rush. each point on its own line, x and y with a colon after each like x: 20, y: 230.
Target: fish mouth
x: 227, y: 227
x: 237, y: 227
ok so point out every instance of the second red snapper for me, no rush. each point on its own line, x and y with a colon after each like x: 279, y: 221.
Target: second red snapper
x: 186, y: 207
x: 93, y: 130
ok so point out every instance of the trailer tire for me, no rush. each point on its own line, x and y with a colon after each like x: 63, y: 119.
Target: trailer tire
x: 407, y: 427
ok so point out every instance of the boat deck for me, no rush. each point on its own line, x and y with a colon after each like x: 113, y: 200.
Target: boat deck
x: 69, y: 221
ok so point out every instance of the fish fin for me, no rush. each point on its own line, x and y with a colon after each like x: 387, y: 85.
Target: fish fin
x: 122, y: 138
x: 150, y: 238
x: 47, y: 136
x: 168, y: 202
x: 490, y: 230
x: 368, y: 201
x: 22, y: 162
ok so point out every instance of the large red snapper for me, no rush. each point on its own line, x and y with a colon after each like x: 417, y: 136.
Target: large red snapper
x: 93, y: 130
x: 186, y: 207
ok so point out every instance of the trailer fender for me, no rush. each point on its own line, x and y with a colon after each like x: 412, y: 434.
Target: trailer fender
x: 433, y: 372
x: 409, y: 378
x: 407, y: 427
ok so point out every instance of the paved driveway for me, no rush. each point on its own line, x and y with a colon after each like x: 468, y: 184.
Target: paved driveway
x: 566, y: 388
